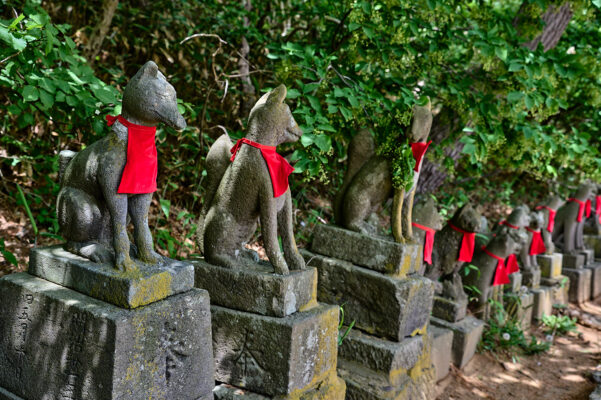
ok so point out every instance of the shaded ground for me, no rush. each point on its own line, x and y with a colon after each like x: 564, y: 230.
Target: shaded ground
x: 563, y: 373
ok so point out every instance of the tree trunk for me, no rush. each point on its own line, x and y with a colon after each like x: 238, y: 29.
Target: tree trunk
x: 95, y: 43
x: 248, y: 98
x: 556, y: 20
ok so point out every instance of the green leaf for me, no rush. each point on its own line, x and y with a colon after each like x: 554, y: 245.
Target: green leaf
x: 314, y: 101
x: 324, y: 142
x: 165, y: 206
x: 30, y: 93
x: 501, y: 52
x: 529, y: 100
x: 597, y: 3
x: 105, y: 95
x: 47, y: 99
x: 292, y: 94
x: 16, y: 43
x: 514, y: 97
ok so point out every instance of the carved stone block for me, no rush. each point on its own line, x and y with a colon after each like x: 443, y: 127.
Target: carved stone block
x: 589, y: 256
x: 560, y: 291
x: 595, y: 268
x: 515, y: 283
x: 103, y: 281
x: 376, y: 253
x: 531, y: 278
x: 573, y: 261
x: 542, y: 302
x: 550, y: 264
x: 593, y: 242
x: 56, y: 343
x: 466, y: 335
x: 257, y: 289
x: 442, y: 344
x: 380, y: 304
x: 448, y: 309
x: 520, y: 305
x: 276, y: 356
x: 580, y: 284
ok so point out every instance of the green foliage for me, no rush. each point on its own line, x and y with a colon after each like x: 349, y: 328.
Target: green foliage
x: 559, y: 324
x: 343, y: 335
x: 8, y: 256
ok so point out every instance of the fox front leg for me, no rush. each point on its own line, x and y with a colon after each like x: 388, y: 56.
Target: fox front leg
x: 138, y: 210
x: 286, y: 231
x: 397, y: 215
x: 269, y: 228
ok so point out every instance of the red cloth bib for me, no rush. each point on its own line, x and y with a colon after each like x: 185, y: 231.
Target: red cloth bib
x: 582, y: 206
x: 509, y: 225
x: 552, y: 213
x: 598, y: 208
x: 140, y: 172
x: 466, y: 251
x: 279, y: 168
x: 501, y: 273
x: 429, y: 244
x: 419, y: 149
x: 537, y: 245
x: 512, y: 264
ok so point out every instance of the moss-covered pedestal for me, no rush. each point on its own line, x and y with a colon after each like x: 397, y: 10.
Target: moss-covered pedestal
x: 386, y: 355
x: 153, y: 341
x: 271, y: 338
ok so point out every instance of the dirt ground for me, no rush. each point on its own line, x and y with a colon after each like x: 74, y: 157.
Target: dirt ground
x: 563, y: 373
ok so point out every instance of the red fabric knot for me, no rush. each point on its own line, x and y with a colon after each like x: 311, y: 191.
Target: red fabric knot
x: 537, y: 245
x: 429, y: 243
x: 582, y: 207
x: 501, y: 273
x: 140, y: 172
x: 509, y: 225
x: 279, y: 168
x: 419, y: 149
x: 552, y: 212
x: 466, y: 251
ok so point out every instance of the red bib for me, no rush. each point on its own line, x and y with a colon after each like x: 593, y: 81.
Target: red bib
x: 429, y: 244
x: 598, y: 208
x: 279, y: 168
x: 140, y: 172
x: 509, y: 225
x: 501, y: 273
x: 466, y: 251
x: 552, y: 213
x: 419, y: 149
x: 582, y: 206
x: 537, y: 245
x: 512, y: 264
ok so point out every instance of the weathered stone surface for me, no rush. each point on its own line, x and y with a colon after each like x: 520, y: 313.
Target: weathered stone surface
x: 560, y: 292
x: 573, y: 261
x: 103, y: 281
x: 542, y: 302
x: 580, y: 284
x: 448, y: 309
x: 380, y: 304
x: 466, y: 335
x: 531, y: 278
x: 4, y: 395
x: 275, y: 356
x: 521, y: 307
x: 442, y: 344
x: 593, y: 242
x: 56, y: 343
x: 589, y: 256
x: 377, y: 253
x: 550, y: 264
x: 515, y: 283
x: 257, y: 289
x: 595, y: 268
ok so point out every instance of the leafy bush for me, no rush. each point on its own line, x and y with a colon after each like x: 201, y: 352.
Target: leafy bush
x: 559, y: 324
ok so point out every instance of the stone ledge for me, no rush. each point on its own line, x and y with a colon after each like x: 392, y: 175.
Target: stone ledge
x: 102, y: 281
x: 466, y: 335
x: 550, y: 265
x: 574, y: 261
x: 448, y: 309
x: 442, y: 344
x: 580, y: 284
x: 257, y: 289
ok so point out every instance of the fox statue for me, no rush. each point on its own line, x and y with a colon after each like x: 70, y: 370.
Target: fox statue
x: 241, y: 190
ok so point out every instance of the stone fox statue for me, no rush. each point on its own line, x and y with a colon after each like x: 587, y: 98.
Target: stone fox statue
x: 368, y: 182
x: 242, y: 191
x: 570, y: 220
x: 93, y: 206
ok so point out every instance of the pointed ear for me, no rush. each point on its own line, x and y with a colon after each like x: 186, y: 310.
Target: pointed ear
x: 150, y: 69
x: 277, y: 95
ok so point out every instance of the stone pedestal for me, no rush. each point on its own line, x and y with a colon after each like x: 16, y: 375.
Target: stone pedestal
x: 573, y: 261
x: 466, y: 335
x: 270, y: 336
x: 448, y: 309
x: 550, y: 264
x: 56, y: 343
x: 580, y: 284
x: 442, y: 356
x: 593, y: 242
x: 387, y: 353
x: 589, y: 256
x: 519, y: 305
x: 531, y: 278
x: 542, y: 302
x: 595, y: 268
x: 560, y: 292
x: 515, y: 283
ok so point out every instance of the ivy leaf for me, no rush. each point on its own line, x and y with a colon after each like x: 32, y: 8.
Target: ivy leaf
x: 30, y: 93
x: 324, y: 142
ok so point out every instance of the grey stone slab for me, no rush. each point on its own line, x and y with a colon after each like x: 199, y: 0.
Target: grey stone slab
x: 257, y: 289
x: 275, y: 356
x: 515, y: 283
x: 102, y: 281
x: 442, y: 344
x: 560, y: 292
x: 595, y: 268
x: 593, y: 242
x: 466, y: 335
x: 330, y: 389
x: 542, y: 302
x: 6, y: 395
x: 376, y: 253
x: 531, y: 279
x: 58, y: 343
x: 580, y: 284
x: 573, y: 261
x: 589, y: 256
x: 379, y: 304
x: 550, y: 265
x: 448, y: 309
x: 520, y: 305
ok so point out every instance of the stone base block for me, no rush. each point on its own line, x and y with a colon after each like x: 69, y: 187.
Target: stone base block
x: 560, y: 292
x: 279, y: 295
x: 573, y: 261
x: 580, y: 284
x: 593, y: 242
x: 550, y: 265
x: 275, y: 356
x: 380, y: 254
x: 515, y: 283
x: 595, y: 268
x: 56, y: 343
x: 520, y: 305
x: 589, y: 256
x: 466, y: 335
x: 448, y: 309
x: 379, y: 304
x: 442, y: 343
x: 102, y: 281
x: 531, y: 279
x: 542, y: 302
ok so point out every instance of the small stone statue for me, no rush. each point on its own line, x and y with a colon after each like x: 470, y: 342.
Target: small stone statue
x: 368, y: 181
x: 428, y: 221
x: 549, y: 208
x: 452, y: 248
x: 593, y: 224
x: 570, y: 219
x: 115, y: 177
x: 249, y: 182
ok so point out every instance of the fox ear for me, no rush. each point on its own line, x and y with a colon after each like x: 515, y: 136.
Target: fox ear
x: 150, y: 69
x: 277, y: 95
